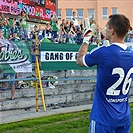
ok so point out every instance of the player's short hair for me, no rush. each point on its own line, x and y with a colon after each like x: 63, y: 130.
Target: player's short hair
x: 35, y: 26
x: 119, y: 23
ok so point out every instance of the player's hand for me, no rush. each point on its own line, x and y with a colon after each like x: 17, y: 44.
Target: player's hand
x: 87, y: 36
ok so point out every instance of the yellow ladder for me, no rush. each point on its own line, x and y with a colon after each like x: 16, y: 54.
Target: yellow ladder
x: 38, y: 76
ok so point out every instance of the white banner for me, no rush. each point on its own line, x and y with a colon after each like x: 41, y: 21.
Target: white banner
x: 53, y: 56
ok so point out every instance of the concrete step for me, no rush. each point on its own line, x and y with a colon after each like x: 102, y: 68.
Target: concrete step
x: 61, y: 88
x: 65, y: 92
x: 29, y: 102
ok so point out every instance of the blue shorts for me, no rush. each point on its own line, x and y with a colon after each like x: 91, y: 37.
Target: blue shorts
x: 12, y: 76
x: 54, y: 34
x: 99, y: 128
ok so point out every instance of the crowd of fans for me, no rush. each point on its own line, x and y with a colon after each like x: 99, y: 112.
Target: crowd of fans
x: 69, y: 31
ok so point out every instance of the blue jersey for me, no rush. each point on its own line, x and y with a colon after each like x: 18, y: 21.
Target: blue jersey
x: 114, y: 76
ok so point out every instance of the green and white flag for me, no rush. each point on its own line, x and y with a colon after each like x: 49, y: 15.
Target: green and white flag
x: 15, y: 56
x: 61, y: 56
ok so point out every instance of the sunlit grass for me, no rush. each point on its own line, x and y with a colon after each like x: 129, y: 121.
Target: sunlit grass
x: 77, y: 122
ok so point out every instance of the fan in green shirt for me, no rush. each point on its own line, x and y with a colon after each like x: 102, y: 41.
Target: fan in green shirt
x: 54, y: 28
x: 23, y: 22
x: 5, y: 27
x: 23, y: 19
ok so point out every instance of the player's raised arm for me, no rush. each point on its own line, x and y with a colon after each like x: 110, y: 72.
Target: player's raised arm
x: 84, y: 47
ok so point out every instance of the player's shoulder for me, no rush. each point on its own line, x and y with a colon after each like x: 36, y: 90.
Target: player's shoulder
x: 98, y: 49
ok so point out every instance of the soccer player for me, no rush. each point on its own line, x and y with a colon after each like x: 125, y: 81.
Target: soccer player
x: 110, y: 112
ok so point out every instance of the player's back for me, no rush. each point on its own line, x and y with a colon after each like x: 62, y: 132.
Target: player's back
x: 115, y: 69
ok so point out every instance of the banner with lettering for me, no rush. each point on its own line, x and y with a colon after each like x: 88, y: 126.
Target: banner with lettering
x: 36, y: 9
x: 15, y: 56
x: 61, y: 56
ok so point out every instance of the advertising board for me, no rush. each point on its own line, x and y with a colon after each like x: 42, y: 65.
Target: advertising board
x: 37, y: 9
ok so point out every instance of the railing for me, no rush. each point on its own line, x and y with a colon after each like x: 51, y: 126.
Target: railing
x: 15, y: 57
